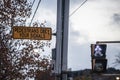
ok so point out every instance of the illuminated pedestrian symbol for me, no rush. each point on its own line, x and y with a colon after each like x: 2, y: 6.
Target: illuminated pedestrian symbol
x: 98, y: 51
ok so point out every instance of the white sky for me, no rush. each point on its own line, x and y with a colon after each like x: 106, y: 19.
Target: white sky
x: 96, y: 20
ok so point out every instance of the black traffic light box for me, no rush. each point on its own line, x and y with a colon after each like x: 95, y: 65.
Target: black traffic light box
x: 54, y: 54
x: 53, y: 61
x: 99, y: 65
x: 98, y: 51
x: 98, y: 56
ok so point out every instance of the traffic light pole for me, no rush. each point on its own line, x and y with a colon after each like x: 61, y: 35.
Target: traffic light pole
x: 98, y: 42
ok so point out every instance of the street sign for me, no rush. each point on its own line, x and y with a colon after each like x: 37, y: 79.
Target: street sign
x: 34, y: 33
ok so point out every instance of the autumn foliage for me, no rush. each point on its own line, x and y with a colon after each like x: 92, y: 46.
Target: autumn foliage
x: 18, y: 60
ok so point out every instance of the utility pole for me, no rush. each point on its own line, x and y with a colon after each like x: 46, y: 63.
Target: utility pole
x: 62, y: 39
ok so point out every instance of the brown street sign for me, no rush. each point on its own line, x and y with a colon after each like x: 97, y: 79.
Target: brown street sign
x: 34, y: 33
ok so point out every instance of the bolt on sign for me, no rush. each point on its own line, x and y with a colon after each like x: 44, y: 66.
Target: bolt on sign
x: 34, y: 33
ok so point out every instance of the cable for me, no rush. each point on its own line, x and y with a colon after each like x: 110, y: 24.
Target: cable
x: 35, y: 12
x: 77, y: 8
x: 32, y: 3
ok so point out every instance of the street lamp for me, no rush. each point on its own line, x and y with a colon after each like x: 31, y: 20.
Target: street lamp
x: 117, y: 78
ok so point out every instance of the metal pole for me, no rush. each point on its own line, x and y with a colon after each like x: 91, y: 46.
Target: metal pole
x: 65, y: 15
x: 110, y: 75
x: 62, y: 38
x: 58, y: 40
x: 107, y: 42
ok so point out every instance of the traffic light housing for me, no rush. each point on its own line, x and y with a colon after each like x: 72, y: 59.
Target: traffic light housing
x: 99, y: 65
x: 98, y: 56
x: 98, y: 50
x: 53, y: 61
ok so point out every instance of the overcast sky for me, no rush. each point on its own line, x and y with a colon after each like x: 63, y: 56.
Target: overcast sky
x: 96, y: 20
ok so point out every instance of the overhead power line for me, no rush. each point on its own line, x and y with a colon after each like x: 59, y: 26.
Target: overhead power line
x: 35, y: 12
x: 33, y: 3
x: 78, y: 7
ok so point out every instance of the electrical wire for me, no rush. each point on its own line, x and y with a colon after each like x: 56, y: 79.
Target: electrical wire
x: 69, y: 15
x: 35, y: 12
x: 78, y: 8
x: 32, y: 3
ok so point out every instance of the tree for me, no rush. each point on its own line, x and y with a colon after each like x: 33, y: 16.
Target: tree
x: 18, y: 59
x: 117, y: 60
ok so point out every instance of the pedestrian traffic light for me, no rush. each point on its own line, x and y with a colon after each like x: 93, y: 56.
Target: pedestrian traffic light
x: 98, y: 56
x: 99, y: 65
x: 98, y: 50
